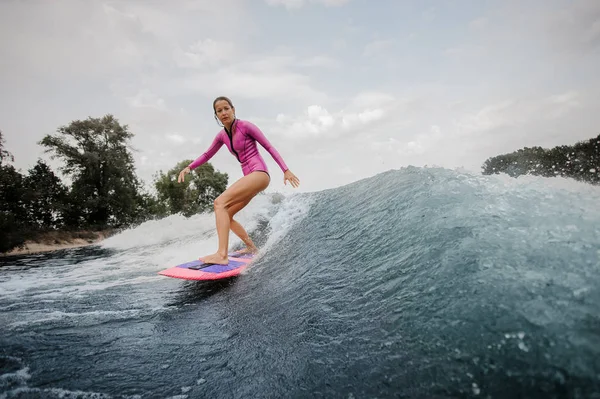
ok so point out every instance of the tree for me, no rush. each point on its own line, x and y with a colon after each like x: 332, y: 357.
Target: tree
x: 580, y: 161
x: 45, y: 197
x: 104, y: 190
x: 151, y: 207
x: 196, y: 194
x: 12, y: 211
x: 4, y: 155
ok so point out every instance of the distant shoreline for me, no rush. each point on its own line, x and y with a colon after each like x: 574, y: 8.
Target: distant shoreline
x: 57, y: 240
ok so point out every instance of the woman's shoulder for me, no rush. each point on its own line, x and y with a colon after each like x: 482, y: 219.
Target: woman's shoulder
x: 246, y: 125
x: 220, y: 134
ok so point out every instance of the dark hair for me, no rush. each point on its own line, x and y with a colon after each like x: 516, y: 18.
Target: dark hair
x: 221, y: 98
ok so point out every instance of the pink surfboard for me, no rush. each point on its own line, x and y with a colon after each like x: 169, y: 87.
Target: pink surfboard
x: 198, y: 270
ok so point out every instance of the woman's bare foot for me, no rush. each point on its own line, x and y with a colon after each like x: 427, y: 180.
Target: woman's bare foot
x: 248, y: 250
x: 215, y: 258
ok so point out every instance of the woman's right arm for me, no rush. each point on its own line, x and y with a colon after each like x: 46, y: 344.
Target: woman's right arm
x: 208, y: 154
x: 212, y: 150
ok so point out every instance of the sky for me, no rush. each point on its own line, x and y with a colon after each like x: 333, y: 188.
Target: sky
x: 344, y: 89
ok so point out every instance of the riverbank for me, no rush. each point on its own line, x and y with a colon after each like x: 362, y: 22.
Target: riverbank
x: 56, y: 240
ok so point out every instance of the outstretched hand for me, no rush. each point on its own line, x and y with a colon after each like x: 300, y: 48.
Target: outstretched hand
x: 182, y: 174
x: 289, y: 176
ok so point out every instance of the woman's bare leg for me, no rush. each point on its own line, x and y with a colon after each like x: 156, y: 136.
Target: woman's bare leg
x: 238, y: 230
x: 241, y: 191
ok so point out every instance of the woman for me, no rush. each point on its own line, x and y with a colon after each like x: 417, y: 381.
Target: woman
x: 240, y: 138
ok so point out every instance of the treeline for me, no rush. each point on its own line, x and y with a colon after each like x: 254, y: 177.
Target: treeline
x: 580, y: 161
x: 100, y: 191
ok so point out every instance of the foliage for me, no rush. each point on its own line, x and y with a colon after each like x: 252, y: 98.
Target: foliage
x: 103, y: 190
x: 580, y: 161
x: 96, y: 158
x: 44, y: 197
x: 12, y: 212
x: 4, y: 155
x: 196, y: 194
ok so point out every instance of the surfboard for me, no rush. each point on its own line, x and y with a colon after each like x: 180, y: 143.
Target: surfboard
x: 198, y: 270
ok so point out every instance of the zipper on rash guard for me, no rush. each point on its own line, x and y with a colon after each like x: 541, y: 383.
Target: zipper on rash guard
x: 230, y: 135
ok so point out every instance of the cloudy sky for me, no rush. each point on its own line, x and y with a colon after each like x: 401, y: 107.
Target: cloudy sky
x: 344, y: 89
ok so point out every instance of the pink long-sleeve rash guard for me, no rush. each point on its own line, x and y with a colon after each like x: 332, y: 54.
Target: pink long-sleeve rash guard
x: 243, y: 146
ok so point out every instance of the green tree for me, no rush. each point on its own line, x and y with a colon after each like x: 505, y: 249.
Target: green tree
x: 151, y: 207
x: 4, y: 155
x: 105, y: 189
x: 196, y: 194
x: 12, y: 210
x: 45, y: 197
x: 580, y: 161
x: 13, y: 229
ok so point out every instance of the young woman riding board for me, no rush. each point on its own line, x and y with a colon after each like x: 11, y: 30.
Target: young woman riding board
x: 240, y: 138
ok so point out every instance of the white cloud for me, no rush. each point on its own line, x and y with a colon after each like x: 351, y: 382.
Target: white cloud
x: 255, y: 77
x: 317, y: 121
x: 176, y: 138
x: 146, y: 99
x: 204, y: 53
x: 462, y: 51
x: 86, y: 39
x: 369, y: 115
x: 561, y: 104
x: 253, y: 84
x: 568, y: 98
x: 339, y: 44
x: 488, y: 118
x: 478, y: 23
x: 291, y: 4
x: 422, y: 142
x: 521, y: 73
x: 372, y: 98
x: 574, y: 28
x: 377, y: 47
x: 319, y: 61
x: 332, y: 3
x: 515, y: 114
x: 286, y: 3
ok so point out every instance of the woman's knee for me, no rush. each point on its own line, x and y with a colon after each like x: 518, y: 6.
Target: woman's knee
x: 231, y: 206
x: 220, y: 203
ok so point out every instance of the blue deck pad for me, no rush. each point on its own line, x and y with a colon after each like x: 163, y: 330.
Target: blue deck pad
x: 222, y: 268
x: 192, y: 263
x: 197, y: 265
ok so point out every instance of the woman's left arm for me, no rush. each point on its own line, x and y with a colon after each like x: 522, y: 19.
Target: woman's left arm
x: 256, y: 134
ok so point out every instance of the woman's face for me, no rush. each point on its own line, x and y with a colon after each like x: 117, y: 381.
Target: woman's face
x: 224, y: 112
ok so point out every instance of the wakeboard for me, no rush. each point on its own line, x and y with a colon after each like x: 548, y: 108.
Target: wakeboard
x: 198, y: 270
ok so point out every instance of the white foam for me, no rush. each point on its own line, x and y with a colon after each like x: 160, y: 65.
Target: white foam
x: 179, y: 231
x: 294, y: 208
x: 140, y: 253
x: 29, y: 318
x: 20, y: 376
x: 137, y: 256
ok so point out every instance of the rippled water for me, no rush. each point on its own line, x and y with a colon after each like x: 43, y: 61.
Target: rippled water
x: 424, y: 283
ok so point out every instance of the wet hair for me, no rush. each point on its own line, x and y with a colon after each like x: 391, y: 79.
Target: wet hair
x: 221, y: 98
